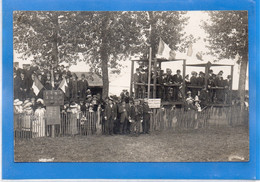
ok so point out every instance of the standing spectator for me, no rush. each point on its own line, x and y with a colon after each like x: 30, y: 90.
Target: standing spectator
x: 74, y: 87
x: 82, y: 87
x: 17, y: 83
x: 23, y: 87
x: 110, y: 115
x: 38, y: 126
x: 146, y: 118
x: 137, y: 79
x: 69, y: 75
x: 73, y: 129
x: 47, y: 83
x: 193, y: 82
x: 177, y: 79
x: 123, y: 111
x: 220, y: 83
x: 57, y: 81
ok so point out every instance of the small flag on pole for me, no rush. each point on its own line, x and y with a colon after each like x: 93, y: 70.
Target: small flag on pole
x: 190, y: 51
x: 63, y: 85
x: 37, y: 86
x: 164, y: 51
x: 199, y: 56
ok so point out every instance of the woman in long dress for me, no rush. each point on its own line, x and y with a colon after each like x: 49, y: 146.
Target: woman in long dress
x: 73, y: 118
x: 38, y: 126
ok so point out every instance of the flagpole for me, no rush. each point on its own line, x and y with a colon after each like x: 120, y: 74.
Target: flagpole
x: 149, y: 74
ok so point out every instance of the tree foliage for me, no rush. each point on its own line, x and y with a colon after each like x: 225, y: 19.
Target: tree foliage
x: 228, y: 38
x: 101, y: 39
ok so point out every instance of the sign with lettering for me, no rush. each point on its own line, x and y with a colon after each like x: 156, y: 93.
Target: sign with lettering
x: 52, y: 115
x: 53, y: 97
x: 154, y: 103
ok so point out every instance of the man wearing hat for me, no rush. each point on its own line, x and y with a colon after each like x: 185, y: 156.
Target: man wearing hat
x: 137, y: 79
x: 194, y: 82
x: 74, y: 87
x: 220, y: 83
x: 23, y: 86
x: 110, y: 116
x: 168, y: 80
x: 82, y: 87
x: 177, y: 79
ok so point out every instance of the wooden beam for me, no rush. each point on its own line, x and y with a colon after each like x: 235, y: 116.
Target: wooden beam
x: 149, y: 73
x: 155, y: 75
x: 131, y: 81
x: 183, y: 81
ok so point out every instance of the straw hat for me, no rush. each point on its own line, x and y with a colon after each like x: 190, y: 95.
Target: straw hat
x: 29, y: 104
x: 26, y: 101
x: 73, y: 105
x: 17, y: 102
x: 189, y: 92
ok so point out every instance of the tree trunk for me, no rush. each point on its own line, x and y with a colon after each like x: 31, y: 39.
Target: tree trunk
x: 55, y: 58
x: 104, y: 55
x: 242, y: 80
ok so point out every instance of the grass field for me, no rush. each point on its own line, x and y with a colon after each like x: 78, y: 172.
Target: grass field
x: 211, y: 144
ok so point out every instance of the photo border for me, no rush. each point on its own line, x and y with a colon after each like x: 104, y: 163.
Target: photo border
x: 129, y: 170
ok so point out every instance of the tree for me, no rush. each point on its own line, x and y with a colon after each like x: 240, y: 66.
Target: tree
x: 228, y: 37
x: 101, y: 39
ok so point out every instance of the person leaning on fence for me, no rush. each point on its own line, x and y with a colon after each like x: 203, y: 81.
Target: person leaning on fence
x: 193, y: 82
x: 177, y: 79
x: 110, y: 116
x: 73, y: 119
x: 18, y: 110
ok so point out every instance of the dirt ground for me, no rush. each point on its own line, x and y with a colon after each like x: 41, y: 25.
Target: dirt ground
x: 211, y: 144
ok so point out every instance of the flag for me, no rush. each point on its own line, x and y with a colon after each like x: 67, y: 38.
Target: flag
x: 52, y: 79
x: 199, y: 56
x: 63, y: 85
x: 190, y: 51
x: 164, y: 51
x: 37, y: 86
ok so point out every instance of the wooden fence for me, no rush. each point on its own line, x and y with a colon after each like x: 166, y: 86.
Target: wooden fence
x: 89, y: 123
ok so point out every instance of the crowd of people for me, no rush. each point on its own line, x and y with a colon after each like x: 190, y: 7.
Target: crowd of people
x: 169, y: 86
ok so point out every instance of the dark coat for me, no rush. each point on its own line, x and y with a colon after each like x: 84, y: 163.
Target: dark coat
x: 110, y: 112
x: 82, y: 85
x: 193, y: 81
x: 177, y: 79
x: 200, y: 81
x: 124, y: 112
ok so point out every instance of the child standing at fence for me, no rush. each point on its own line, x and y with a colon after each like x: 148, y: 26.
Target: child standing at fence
x: 73, y: 119
x: 18, y: 110
x: 38, y: 127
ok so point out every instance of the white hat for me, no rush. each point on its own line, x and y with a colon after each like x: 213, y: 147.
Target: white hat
x: 197, y: 99
x: 29, y: 104
x: 26, y: 101
x: 17, y: 102
x: 40, y: 100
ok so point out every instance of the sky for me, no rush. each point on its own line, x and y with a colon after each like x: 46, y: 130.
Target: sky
x: 122, y: 81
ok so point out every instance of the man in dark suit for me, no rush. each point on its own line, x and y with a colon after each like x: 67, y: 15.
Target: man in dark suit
x: 16, y: 85
x: 193, y: 82
x: 220, y: 83
x: 123, y: 110
x: 23, y: 87
x: 177, y: 79
x: 82, y: 87
x: 110, y: 116
x: 168, y: 80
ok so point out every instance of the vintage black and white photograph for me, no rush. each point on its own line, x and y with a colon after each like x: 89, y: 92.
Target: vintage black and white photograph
x: 130, y: 86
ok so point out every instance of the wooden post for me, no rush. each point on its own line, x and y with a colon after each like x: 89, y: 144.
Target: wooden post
x: 155, y: 75
x: 131, y: 81
x: 149, y: 73
x: 183, y: 81
x: 206, y: 74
